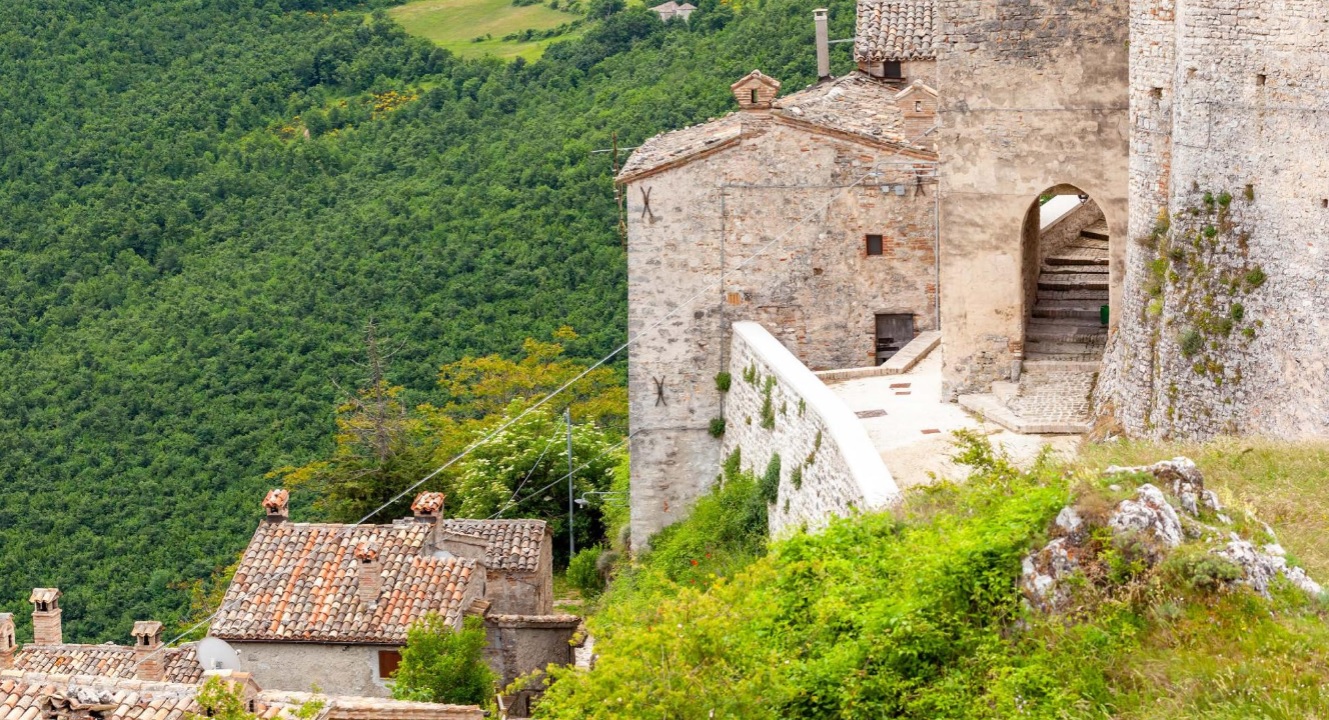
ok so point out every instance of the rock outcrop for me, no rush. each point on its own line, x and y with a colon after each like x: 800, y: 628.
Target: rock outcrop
x: 1153, y: 523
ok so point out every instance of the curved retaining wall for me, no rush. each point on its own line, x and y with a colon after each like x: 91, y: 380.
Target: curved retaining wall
x: 828, y: 465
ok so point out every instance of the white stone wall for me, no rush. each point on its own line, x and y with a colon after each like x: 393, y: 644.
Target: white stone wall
x: 301, y: 667
x: 813, y: 431
x: 1226, y: 95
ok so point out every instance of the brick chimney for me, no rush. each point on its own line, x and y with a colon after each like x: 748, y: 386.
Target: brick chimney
x: 428, y: 506
x: 148, y: 663
x: 46, y: 616
x: 755, y: 91
x: 274, y: 505
x: 369, y: 572
x: 7, y: 643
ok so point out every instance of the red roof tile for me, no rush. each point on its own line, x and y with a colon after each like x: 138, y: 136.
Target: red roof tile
x: 180, y: 663
x: 513, y: 544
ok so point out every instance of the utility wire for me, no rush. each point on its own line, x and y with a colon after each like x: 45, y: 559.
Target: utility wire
x: 558, y: 391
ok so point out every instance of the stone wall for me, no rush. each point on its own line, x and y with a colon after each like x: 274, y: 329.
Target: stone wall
x: 301, y: 667
x: 698, y: 260
x: 1034, y: 98
x: 510, y: 592
x: 1222, y: 331
x: 519, y: 644
x: 776, y: 406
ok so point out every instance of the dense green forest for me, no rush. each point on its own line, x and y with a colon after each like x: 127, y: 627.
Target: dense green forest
x: 203, y: 202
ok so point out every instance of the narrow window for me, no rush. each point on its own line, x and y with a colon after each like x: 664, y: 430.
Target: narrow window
x: 894, y: 71
x: 1261, y: 79
x: 388, y: 660
x: 918, y: 106
x: 874, y: 244
x: 1324, y: 203
x: 754, y: 96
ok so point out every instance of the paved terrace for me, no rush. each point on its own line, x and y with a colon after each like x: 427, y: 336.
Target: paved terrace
x: 911, y: 425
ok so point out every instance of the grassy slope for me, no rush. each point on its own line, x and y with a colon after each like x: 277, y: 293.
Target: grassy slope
x: 451, y: 24
x: 1285, y: 485
x: 914, y: 614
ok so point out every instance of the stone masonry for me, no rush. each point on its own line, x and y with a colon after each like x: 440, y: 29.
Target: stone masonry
x: 776, y: 407
x: 1222, y: 331
x: 1033, y: 100
x: 762, y: 216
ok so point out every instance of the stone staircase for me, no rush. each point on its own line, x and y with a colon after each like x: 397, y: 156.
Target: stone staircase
x: 1065, y: 331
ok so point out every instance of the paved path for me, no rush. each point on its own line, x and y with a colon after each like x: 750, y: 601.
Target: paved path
x: 911, y: 426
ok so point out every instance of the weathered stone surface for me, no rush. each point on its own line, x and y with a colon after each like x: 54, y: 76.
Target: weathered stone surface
x: 1227, y: 96
x: 776, y: 406
x: 1150, y: 514
x: 1260, y: 567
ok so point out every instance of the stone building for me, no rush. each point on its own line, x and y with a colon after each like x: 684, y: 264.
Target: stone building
x: 1222, y: 330
x: 814, y: 215
x: 329, y: 605
x: 1033, y: 103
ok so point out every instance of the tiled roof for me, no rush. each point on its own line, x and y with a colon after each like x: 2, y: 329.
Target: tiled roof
x: 35, y: 696
x: 180, y: 663
x: 678, y: 146
x: 428, y: 503
x: 46, y: 595
x: 894, y: 30
x: 513, y: 544
x: 298, y: 581
x: 854, y: 104
x: 39, y: 696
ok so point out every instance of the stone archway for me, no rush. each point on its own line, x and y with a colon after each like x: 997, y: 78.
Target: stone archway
x: 1065, y: 256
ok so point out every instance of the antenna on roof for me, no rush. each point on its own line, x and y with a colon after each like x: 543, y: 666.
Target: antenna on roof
x: 217, y: 654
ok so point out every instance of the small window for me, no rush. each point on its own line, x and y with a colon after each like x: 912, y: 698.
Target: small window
x: 874, y: 244
x: 754, y: 96
x: 893, y: 70
x: 1261, y: 79
x: 918, y: 106
x: 388, y: 660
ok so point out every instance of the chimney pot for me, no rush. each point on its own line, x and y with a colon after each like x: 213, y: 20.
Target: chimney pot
x: 428, y: 506
x: 823, y: 44
x: 275, y: 505
x: 46, y: 616
x: 148, y: 663
x: 755, y: 91
x: 7, y: 642
x: 369, y: 572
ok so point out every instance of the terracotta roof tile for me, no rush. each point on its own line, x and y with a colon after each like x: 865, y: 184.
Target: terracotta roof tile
x: 298, y: 581
x: 513, y: 544
x: 894, y: 30
x: 180, y: 664
x: 855, y: 104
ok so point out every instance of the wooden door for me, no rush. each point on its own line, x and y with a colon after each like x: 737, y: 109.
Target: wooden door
x: 893, y: 331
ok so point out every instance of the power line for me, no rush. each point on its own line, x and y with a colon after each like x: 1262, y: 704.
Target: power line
x: 560, y: 389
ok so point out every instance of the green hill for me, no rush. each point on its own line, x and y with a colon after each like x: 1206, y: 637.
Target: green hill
x: 475, y: 28
x: 185, y: 276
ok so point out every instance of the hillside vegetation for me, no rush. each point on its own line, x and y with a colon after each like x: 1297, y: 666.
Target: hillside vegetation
x: 186, y: 276
x: 917, y: 613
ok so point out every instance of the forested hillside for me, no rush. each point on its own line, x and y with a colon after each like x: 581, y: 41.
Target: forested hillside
x: 202, y: 203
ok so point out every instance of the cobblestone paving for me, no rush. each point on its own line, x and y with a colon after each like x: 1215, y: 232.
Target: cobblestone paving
x: 1053, y: 396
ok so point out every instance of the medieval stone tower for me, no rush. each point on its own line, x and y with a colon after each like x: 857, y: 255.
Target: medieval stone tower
x: 1223, y: 328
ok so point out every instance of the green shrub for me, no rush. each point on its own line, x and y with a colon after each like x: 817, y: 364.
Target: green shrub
x: 723, y: 381
x: 767, y: 406
x: 796, y: 477
x: 770, y: 480
x: 1255, y: 278
x: 717, y: 427
x: 584, y: 572
x: 1191, y: 342
x: 1238, y: 312
x: 1225, y: 198
x: 442, y: 665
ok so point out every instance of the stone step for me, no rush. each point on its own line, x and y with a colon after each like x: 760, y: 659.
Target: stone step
x: 1066, y: 329
x: 1078, y: 313
x: 991, y: 408
x: 1078, y: 347
x: 1087, y: 258
x: 1042, y: 322
x: 1044, y: 340
x: 1073, y: 362
x: 1086, y: 298
x: 1076, y: 281
x: 1095, y: 232
x: 1079, y: 267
